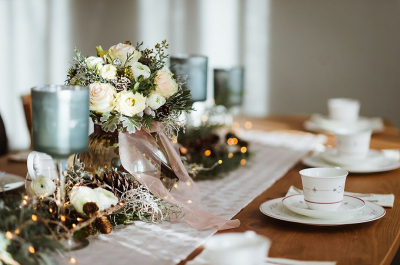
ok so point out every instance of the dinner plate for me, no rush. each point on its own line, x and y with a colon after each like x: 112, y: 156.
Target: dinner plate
x: 321, y: 123
x: 11, y: 182
x: 349, y: 207
x: 385, y: 164
x: 372, y: 157
x: 276, y: 209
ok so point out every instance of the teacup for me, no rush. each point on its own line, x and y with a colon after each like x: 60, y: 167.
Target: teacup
x: 343, y: 109
x: 237, y: 249
x: 323, y: 188
x: 353, y: 144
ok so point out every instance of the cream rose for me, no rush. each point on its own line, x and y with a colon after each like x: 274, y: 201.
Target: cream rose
x: 102, y: 97
x: 108, y: 71
x: 122, y: 51
x: 154, y: 101
x: 81, y: 195
x: 130, y: 104
x: 166, y: 85
x: 92, y: 62
x: 42, y: 186
x: 105, y: 198
x: 139, y: 69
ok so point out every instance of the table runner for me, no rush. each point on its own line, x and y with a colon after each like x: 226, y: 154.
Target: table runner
x: 274, y: 153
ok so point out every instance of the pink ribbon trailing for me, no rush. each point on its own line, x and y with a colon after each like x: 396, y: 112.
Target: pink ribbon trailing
x: 185, y: 193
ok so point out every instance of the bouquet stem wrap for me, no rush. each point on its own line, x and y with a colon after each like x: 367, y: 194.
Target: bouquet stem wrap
x: 185, y: 194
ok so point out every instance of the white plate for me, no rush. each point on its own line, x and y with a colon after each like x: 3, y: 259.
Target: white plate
x: 385, y: 164
x: 349, y: 207
x: 21, y: 156
x: 321, y: 123
x: 11, y: 182
x: 276, y: 209
x: 332, y: 156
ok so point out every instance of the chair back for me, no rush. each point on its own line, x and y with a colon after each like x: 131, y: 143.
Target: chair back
x: 3, y: 139
x: 27, y: 103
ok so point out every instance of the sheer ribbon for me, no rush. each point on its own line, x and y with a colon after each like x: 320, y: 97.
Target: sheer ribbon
x: 185, y: 193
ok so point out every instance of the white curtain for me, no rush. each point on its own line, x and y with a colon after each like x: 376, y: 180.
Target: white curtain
x: 38, y: 38
x: 296, y: 54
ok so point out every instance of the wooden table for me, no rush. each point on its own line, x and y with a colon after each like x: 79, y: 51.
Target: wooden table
x: 370, y: 243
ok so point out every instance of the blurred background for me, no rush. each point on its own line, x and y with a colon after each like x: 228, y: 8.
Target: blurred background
x: 296, y: 54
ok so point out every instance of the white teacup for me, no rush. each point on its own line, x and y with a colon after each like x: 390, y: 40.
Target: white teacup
x: 237, y: 249
x: 323, y: 188
x: 353, y: 144
x: 343, y: 109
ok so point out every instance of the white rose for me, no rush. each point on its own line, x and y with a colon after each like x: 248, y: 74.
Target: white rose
x: 108, y: 71
x: 122, y: 51
x: 130, y: 104
x: 102, y: 97
x: 42, y: 186
x: 139, y: 69
x: 155, y: 101
x: 81, y: 195
x: 92, y: 62
x: 166, y: 85
x: 105, y: 198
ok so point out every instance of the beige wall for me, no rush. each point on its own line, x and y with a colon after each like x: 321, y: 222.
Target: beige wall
x: 323, y: 49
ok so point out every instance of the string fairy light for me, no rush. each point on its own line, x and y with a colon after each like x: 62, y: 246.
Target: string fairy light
x: 73, y: 261
x: 31, y: 249
x: 248, y: 125
x: 34, y: 217
x: 9, y: 235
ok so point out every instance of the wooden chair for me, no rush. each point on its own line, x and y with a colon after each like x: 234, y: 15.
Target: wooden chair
x: 27, y: 103
x: 3, y: 139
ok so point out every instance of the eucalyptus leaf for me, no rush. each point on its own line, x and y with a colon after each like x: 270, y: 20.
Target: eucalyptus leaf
x: 130, y: 124
x: 105, y: 116
x: 111, y: 124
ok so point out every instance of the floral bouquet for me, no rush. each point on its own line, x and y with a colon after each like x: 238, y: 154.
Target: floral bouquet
x: 130, y: 88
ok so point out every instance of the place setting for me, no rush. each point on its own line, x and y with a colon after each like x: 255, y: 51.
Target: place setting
x: 353, y: 153
x: 323, y: 201
x: 343, y: 116
x: 10, y: 182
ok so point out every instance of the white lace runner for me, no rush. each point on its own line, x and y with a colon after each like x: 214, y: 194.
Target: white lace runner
x: 169, y: 243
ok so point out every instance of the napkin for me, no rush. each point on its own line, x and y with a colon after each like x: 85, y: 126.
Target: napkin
x: 202, y: 259
x: 385, y: 200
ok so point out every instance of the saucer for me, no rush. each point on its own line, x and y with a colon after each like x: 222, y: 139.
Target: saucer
x: 11, y: 182
x: 385, y: 164
x: 332, y: 156
x: 276, y: 209
x: 349, y: 207
x: 321, y: 123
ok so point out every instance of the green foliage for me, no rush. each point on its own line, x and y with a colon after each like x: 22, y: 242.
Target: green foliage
x: 16, y: 217
x: 201, y: 167
x: 110, y: 124
x: 131, y: 124
x: 181, y: 101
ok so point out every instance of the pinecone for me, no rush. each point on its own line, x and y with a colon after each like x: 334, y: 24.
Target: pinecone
x: 90, y: 209
x: 103, y: 225
x: 163, y: 111
x: 115, y: 182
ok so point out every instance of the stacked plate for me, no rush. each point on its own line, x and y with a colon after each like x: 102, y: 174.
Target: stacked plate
x: 321, y: 123
x: 293, y: 208
x: 375, y: 161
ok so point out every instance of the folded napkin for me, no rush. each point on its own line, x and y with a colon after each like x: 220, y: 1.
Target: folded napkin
x: 202, y: 259
x: 385, y: 200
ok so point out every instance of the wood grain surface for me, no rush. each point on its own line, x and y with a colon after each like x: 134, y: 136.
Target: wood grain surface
x: 369, y: 243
